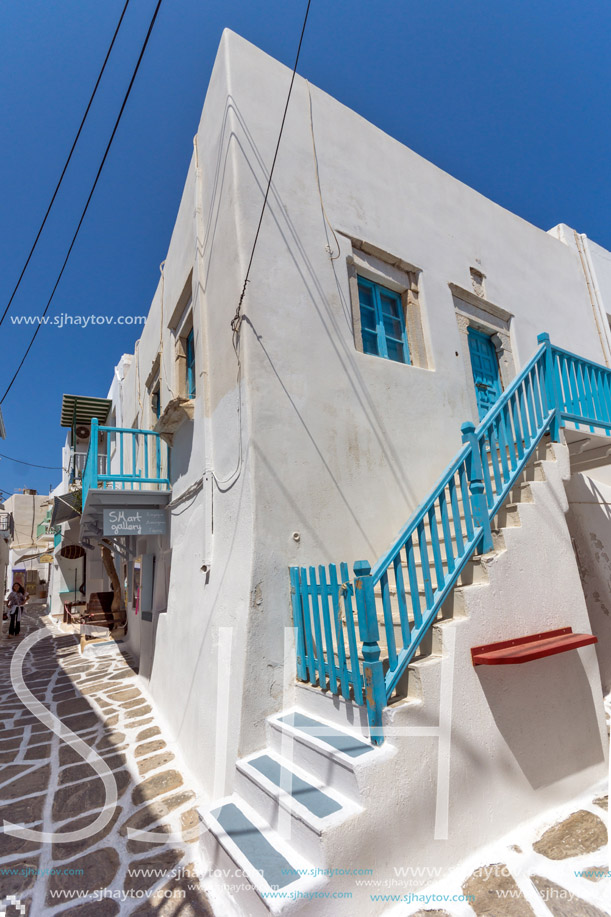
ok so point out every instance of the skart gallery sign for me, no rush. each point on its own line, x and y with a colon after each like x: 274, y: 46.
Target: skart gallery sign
x: 134, y: 522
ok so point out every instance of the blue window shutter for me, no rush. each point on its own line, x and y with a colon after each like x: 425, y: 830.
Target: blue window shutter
x: 369, y: 329
x: 382, y: 322
x: 190, y: 348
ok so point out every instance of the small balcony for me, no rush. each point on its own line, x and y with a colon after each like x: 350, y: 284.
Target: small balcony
x: 77, y: 465
x: 6, y: 525
x: 44, y: 533
x: 126, y: 471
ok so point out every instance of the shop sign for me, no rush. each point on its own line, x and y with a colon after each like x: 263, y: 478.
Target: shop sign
x: 134, y: 521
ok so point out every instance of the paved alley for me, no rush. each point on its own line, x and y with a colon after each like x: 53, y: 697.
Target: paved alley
x: 46, y: 786
x: 555, y: 866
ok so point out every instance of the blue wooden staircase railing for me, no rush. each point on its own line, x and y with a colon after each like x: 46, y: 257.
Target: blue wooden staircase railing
x: 403, y: 593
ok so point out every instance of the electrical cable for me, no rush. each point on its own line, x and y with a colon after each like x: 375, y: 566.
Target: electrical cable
x: 237, y: 319
x: 80, y: 223
x: 67, y: 163
x: 333, y: 256
x: 31, y: 464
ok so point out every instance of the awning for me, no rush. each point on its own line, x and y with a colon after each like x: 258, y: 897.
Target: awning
x: 77, y: 409
x: 66, y: 507
x: 25, y: 557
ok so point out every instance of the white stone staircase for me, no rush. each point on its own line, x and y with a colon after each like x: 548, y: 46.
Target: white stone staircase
x: 319, y: 801
x: 293, y: 805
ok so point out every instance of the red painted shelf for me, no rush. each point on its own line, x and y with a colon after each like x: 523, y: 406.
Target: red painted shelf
x: 535, y: 646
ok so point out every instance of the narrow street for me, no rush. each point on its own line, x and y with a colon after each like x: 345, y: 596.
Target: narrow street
x: 557, y: 865
x: 46, y: 786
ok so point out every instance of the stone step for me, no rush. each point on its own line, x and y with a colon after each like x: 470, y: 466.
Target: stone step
x: 292, y: 801
x: 237, y: 836
x: 425, y: 648
x: 330, y: 754
x: 507, y: 517
x: 452, y: 607
x: 421, y: 680
x: 332, y: 707
x: 474, y: 572
x: 521, y: 493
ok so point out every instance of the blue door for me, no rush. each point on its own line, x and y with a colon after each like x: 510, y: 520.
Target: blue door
x: 485, y: 368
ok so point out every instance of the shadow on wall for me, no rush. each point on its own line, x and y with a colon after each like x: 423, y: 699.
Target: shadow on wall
x: 545, y: 712
x: 182, y: 446
x: 293, y: 248
x: 589, y: 522
x: 369, y: 415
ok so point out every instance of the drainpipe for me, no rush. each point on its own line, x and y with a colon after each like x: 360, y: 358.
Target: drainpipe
x: 600, y: 315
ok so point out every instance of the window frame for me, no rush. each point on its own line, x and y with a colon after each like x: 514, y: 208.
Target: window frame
x: 185, y: 355
x: 381, y: 333
x: 156, y: 402
x: 181, y: 326
x: 153, y: 390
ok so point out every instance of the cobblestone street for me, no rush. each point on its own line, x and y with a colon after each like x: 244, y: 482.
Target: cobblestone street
x: 557, y: 866
x: 46, y: 786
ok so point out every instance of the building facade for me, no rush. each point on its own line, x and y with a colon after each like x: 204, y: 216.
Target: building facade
x: 303, y: 425
x: 30, y: 542
x: 6, y: 525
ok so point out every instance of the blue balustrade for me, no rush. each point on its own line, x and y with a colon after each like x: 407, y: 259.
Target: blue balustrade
x: 132, y: 460
x: 398, y: 600
x: 583, y: 391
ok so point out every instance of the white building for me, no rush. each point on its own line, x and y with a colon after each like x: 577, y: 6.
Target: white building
x: 308, y: 434
x: 6, y: 525
x: 29, y: 541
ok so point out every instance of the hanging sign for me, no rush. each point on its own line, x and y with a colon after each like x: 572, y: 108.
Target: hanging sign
x: 134, y: 521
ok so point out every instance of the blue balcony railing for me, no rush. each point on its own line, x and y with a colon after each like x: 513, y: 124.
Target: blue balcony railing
x: 133, y: 460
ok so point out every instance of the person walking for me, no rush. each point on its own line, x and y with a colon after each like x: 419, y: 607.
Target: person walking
x: 17, y: 598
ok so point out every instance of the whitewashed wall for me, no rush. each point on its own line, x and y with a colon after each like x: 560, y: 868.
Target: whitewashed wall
x: 589, y: 521
x: 332, y: 449
x: 345, y: 445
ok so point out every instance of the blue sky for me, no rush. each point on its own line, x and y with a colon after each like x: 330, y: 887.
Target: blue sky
x: 511, y: 98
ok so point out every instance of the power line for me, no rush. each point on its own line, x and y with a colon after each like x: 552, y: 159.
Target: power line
x: 237, y: 319
x: 86, y: 207
x: 61, y: 177
x: 31, y: 464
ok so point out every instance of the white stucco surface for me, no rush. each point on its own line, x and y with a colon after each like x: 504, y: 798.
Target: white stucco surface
x: 589, y: 521
x: 303, y: 450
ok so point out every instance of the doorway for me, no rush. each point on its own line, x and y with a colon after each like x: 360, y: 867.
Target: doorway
x: 485, y: 367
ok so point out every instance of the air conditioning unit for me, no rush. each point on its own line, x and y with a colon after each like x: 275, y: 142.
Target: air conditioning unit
x: 82, y: 432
